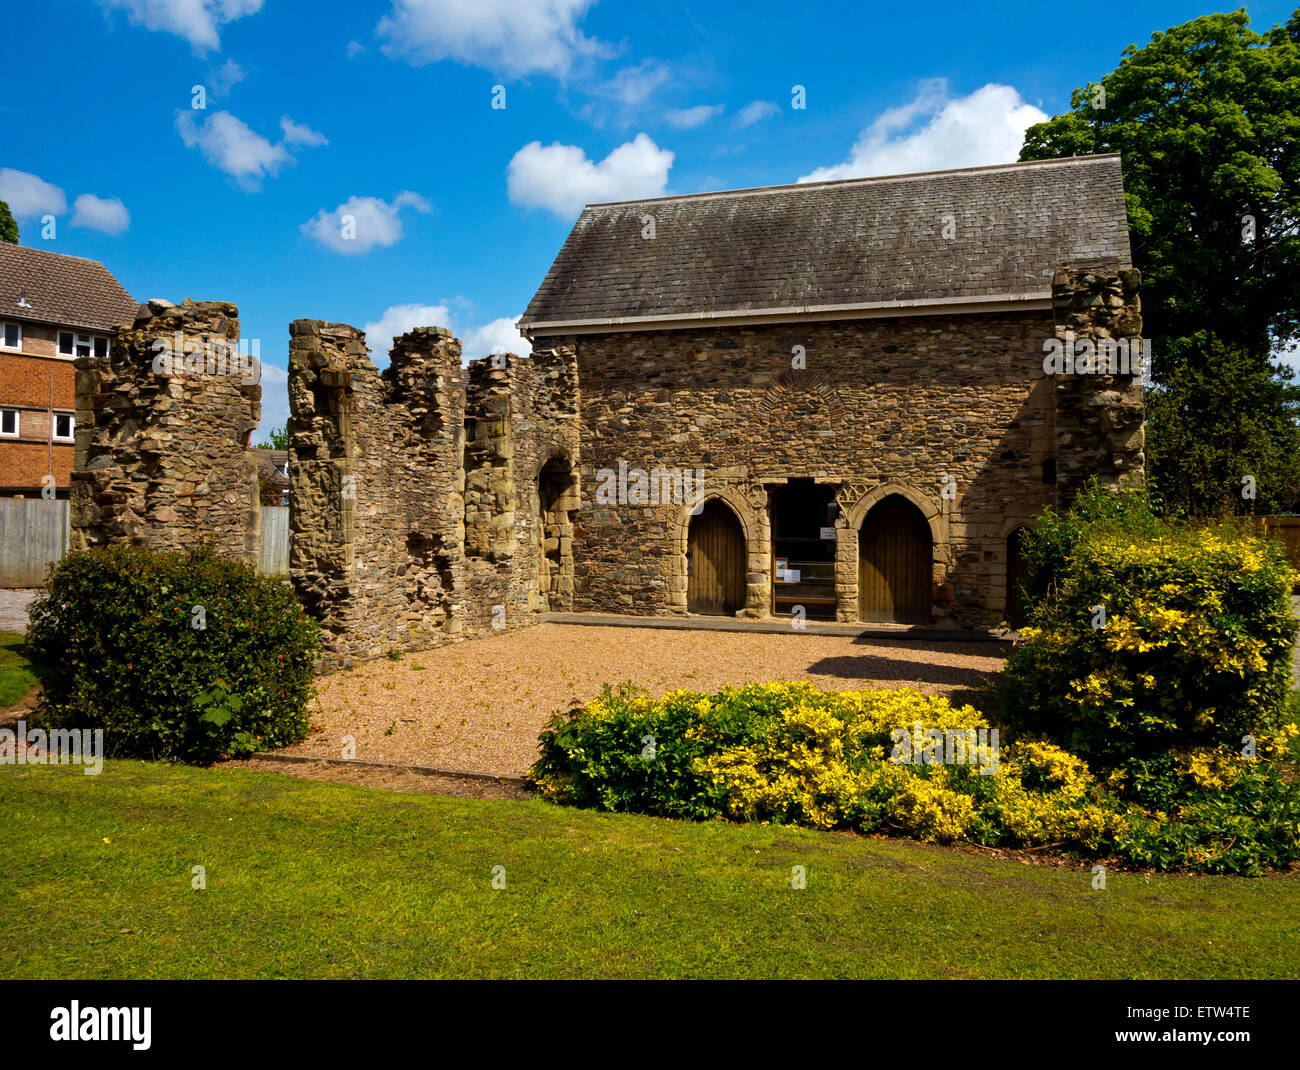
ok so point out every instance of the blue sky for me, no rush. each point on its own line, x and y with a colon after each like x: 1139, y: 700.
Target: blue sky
x: 382, y: 111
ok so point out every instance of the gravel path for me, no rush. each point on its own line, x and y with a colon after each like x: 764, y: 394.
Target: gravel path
x: 479, y: 705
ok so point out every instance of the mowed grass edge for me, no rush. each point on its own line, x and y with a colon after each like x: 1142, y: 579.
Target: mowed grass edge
x: 309, y: 879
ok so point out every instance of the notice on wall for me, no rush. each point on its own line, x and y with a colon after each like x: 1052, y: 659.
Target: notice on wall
x: 828, y: 534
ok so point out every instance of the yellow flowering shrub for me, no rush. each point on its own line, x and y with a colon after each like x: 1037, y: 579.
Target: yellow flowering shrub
x: 889, y: 761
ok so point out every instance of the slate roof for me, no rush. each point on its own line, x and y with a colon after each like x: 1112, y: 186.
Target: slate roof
x: 65, y: 290
x: 854, y: 242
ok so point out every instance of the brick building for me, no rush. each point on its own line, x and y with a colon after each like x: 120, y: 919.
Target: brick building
x: 53, y: 308
x: 853, y: 374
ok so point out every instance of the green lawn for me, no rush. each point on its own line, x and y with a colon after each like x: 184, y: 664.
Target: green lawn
x: 16, y: 676
x: 307, y: 879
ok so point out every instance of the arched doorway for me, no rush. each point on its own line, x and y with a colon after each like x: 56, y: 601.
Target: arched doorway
x: 715, y: 562
x: 556, y: 498
x: 1016, y: 573
x: 894, y: 563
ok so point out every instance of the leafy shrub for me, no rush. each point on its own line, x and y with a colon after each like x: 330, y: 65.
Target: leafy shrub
x: 179, y: 655
x: 1153, y: 639
x: 789, y: 753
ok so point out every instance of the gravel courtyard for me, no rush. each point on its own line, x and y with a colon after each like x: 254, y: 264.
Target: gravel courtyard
x: 479, y: 705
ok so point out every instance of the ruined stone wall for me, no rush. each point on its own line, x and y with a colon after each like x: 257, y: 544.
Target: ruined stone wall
x: 413, y: 498
x: 953, y: 413
x: 162, y: 457
x: 1099, y: 416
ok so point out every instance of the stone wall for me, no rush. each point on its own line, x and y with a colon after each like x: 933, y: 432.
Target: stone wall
x: 1098, y: 416
x: 162, y: 457
x: 414, y: 506
x: 952, y: 413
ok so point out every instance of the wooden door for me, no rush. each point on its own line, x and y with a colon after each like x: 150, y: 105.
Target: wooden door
x: 715, y: 562
x: 894, y: 564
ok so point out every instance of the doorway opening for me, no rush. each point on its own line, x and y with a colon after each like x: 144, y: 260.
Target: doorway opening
x: 803, y: 549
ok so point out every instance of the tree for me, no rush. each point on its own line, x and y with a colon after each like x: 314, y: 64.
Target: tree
x: 279, y: 440
x: 1222, y: 435
x: 1206, y: 119
x: 8, y: 225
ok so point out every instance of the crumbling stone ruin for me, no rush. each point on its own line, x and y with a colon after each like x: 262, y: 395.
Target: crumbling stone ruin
x: 162, y: 427
x: 428, y: 501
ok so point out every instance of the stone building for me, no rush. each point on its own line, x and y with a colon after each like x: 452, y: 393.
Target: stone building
x: 841, y: 400
x: 853, y: 374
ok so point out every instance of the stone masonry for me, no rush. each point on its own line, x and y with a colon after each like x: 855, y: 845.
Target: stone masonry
x: 953, y: 413
x: 1098, y: 416
x: 414, y: 505
x: 162, y: 459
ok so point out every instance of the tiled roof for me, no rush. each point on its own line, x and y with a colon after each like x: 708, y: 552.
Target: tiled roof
x: 268, y: 461
x: 855, y: 242
x: 66, y: 290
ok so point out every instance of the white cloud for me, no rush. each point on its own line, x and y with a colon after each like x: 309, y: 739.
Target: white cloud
x: 690, y: 118
x: 499, y: 336
x: 105, y: 214
x: 355, y: 48
x: 28, y: 196
x: 987, y: 127
x: 296, y: 134
x: 226, y: 78
x: 562, y: 179
x: 633, y: 86
x: 232, y: 146
x: 397, y: 320
x: 755, y: 111
x: 371, y: 222
x: 198, y: 21
x: 508, y: 37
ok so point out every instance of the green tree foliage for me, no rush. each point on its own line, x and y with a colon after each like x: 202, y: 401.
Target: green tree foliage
x: 1222, y: 435
x: 279, y: 440
x: 8, y: 225
x: 1207, y: 119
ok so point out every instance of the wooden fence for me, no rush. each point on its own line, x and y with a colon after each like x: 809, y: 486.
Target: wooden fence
x: 275, y: 541
x: 34, y: 533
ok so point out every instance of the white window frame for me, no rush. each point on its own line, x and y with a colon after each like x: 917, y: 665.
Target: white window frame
x: 18, y: 424
x: 78, y: 339
x: 72, y: 427
x: 4, y: 325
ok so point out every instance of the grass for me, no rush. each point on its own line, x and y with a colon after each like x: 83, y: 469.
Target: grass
x: 308, y: 879
x: 16, y: 672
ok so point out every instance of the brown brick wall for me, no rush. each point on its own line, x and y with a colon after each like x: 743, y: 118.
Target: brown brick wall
x: 25, y: 382
x: 23, y: 464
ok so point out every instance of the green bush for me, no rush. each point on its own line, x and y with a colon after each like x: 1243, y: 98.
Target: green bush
x: 1154, y: 639
x: 177, y: 655
x: 789, y: 753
